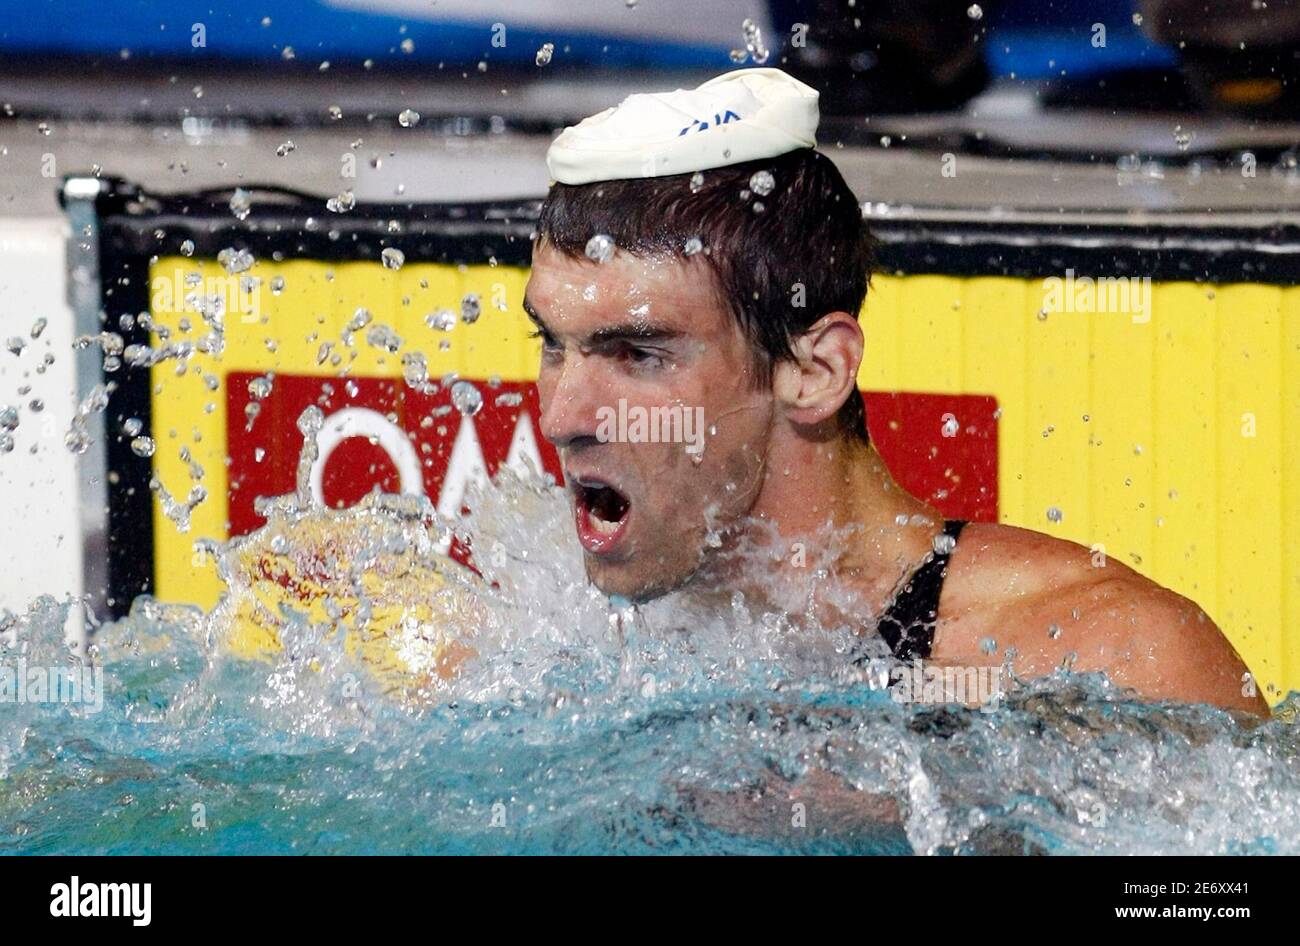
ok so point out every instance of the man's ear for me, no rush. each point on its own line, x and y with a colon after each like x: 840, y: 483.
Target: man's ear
x: 813, y: 385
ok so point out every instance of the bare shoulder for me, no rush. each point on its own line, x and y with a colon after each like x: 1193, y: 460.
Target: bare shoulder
x: 1055, y: 601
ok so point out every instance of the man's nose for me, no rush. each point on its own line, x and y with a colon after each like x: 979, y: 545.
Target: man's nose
x: 569, y: 403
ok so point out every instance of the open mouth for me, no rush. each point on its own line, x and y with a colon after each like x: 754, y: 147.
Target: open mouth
x: 601, y: 512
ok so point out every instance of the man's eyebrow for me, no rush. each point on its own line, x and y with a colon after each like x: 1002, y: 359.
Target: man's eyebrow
x: 633, y: 331
x: 640, y: 331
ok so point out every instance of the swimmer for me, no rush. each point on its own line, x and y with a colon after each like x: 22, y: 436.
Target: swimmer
x: 697, y: 253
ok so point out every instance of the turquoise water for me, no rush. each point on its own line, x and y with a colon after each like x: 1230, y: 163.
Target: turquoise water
x: 581, y: 729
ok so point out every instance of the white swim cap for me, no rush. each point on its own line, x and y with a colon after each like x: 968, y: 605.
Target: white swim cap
x: 739, y: 116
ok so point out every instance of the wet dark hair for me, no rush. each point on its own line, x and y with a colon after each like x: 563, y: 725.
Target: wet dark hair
x: 761, y: 248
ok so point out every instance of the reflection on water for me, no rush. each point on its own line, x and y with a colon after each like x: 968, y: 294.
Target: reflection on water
x: 356, y: 691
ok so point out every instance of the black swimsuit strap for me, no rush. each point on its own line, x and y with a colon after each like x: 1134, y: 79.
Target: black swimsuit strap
x: 907, y: 625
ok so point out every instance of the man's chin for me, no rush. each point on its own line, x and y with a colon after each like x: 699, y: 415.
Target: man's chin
x: 627, y: 580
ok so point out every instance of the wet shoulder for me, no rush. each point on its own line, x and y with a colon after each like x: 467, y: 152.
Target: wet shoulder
x: 994, y: 565
x: 1057, y: 603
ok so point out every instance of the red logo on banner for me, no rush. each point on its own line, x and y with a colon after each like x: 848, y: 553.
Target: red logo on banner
x: 377, y: 432
x: 380, y: 432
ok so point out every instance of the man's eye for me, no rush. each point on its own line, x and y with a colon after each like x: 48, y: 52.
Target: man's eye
x: 644, y: 356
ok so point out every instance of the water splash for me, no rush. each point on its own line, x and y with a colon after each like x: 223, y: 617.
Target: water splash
x: 356, y: 690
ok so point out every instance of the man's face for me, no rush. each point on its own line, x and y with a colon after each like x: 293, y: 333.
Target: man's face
x: 649, y: 332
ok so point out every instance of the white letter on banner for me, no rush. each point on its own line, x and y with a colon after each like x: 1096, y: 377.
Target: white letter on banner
x: 363, y: 422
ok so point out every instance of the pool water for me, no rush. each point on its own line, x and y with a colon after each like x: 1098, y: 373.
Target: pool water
x: 584, y: 726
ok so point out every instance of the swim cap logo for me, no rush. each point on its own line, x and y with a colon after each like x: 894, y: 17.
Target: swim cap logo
x: 730, y: 116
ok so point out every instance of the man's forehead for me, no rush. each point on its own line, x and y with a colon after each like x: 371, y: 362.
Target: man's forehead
x: 661, y: 287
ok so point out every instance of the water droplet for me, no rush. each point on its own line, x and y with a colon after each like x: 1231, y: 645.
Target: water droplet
x: 466, y: 397
x: 408, y: 45
x: 187, y: 248
x: 988, y: 646
x: 1054, y: 631
x: 697, y: 182
x: 39, y: 326
x: 470, y: 309
x: 240, y: 203
x: 335, y: 112
x: 754, y: 42
x: 310, y: 421
x: 15, y: 345
x: 1054, y: 514
x: 9, y: 418
x: 360, y: 319
x: 277, y: 285
x: 415, y: 369
x: 235, y: 261
x: 381, y: 336
x: 693, y: 246
x: 1182, y: 138
x: 951, y: 427
x: 975, y: 11
x: 544, y: 54
x: 943, y: 543
x: 132, y: 426
x: 444, y: 320
x: 260, y: 387
x: 1137, y: 19
x: 762, y: 182
x: 600, y: 248
x: 285, y: 148
x: 143, y: 446
x: 408, y: 118
x: 342, y: 203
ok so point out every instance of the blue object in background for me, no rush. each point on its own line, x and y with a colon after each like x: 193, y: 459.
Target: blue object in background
x: 1028, y: 38
x: 317, y: 31
x: 1031, y: 39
